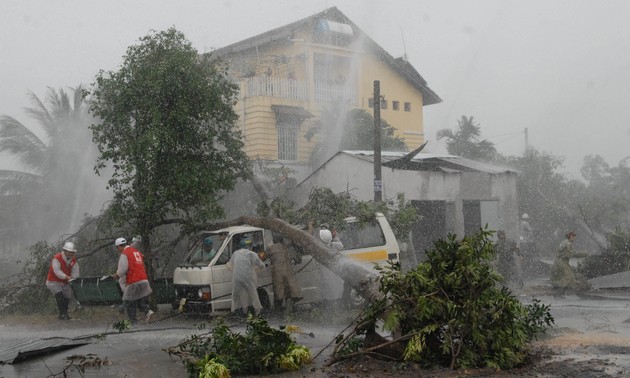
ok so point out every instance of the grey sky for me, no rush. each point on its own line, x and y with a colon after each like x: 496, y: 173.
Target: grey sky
x: 560, y: 68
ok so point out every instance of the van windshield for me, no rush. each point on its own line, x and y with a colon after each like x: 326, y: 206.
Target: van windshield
x: 356, y: 236
x: 205, y: 249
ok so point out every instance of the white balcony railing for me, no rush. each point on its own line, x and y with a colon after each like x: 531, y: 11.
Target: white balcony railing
x: 274, y: 87
x: 295, y: 89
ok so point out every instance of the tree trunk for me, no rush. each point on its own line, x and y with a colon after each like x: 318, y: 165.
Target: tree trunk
x: 363, y: 280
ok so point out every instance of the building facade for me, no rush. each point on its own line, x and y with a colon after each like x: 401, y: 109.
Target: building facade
x: 290, y: 75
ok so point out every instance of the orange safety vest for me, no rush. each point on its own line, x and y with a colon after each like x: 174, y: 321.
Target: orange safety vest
x: 135, y: 262
x: 66, y: 268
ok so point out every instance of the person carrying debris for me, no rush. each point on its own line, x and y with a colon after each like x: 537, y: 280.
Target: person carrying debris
x: 137, y: 289
x: 243, y: 263
x: 563, y: 277
x: 285, y: 286
x: 509, y: 261
x: 63, y: 268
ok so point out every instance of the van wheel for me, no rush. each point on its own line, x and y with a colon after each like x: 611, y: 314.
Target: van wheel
x: 264, y: 300
x: 352, y: 298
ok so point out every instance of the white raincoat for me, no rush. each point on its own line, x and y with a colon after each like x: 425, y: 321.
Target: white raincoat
x: 244, y: 280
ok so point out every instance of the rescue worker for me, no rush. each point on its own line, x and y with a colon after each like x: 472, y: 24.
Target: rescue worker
x: 336, y: 244
x: 208, y: 251
x: 326, y: 276
x: 285, y: 286
x: 563, y: 277
x: 243, y: 264
x: 63, y: 268
x: 137, y: 289
x: 509, y: 261
x: 527, y: 246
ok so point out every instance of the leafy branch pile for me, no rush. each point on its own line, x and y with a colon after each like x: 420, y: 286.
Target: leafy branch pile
x: 262, y: 350
x: 449, y: 311
x: 614, y: 258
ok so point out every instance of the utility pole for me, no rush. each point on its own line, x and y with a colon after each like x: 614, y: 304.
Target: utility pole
x: 378, y: 184
x: 526, y: 139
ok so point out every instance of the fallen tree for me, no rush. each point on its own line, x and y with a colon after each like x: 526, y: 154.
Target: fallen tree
x: 363, y: 280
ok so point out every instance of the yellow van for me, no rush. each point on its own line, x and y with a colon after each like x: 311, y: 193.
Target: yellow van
x: 203, y: 283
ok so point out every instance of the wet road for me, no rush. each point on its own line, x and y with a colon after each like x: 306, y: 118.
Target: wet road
x: 140, y: 353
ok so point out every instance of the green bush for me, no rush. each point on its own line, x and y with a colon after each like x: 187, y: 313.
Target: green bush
x: 262, y: 350
x: 452, y: 310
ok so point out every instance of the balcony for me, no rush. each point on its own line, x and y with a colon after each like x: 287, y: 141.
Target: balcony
x: 270, y: 86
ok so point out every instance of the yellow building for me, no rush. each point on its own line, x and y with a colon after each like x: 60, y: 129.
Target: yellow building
x: 290, y: 75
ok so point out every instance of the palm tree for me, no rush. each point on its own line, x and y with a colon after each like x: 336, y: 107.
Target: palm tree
x: 465, y: 140
x: 49, y: 166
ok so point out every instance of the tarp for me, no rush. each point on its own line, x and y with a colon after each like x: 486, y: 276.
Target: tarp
x: 105, y: 291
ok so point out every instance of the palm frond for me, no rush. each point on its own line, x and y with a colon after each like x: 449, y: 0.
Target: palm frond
x: 78, y: 102
x: 41, y: 114
x: 16, y: 182
x: 17, y: 140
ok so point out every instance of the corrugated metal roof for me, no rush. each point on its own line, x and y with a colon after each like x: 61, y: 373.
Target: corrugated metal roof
x: 36, y: 347
x: 425, y: 161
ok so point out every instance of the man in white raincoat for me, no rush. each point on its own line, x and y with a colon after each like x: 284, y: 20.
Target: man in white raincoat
x: 243, y: 263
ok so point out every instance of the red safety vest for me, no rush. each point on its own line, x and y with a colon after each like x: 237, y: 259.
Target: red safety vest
x: 66, y: 268
x: 135, y: 262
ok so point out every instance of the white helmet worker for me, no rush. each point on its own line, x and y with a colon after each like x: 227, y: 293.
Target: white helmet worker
x: 325, y: 235
x: 69, y: 246
x: 525, y: 216
x: 120, y: 241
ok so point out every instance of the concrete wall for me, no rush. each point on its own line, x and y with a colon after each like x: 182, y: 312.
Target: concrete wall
x: 355, y: 175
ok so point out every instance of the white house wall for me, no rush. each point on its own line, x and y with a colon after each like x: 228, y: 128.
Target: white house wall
x: 356, y: 176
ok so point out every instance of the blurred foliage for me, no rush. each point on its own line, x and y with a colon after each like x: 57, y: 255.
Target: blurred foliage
x: 266, y: 351
x: 452, y: 310
x: 338, y: 129
x: 50, y: 177
x: 27, y: 292
x: 324, y: 207
x: 465, y: 140
x: 613, y: 259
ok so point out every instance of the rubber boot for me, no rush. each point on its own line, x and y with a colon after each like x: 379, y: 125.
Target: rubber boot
x: 59, y: 298
x: 66, y: 302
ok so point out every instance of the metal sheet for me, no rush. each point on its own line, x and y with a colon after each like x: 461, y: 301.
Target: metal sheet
x: 36, y: 347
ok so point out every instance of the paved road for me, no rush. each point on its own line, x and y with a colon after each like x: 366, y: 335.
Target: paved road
x: 583, y: 322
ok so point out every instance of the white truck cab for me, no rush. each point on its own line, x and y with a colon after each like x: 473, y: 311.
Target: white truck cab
x: 203, y: 282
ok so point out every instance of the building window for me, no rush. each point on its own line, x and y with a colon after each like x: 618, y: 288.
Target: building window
x: 407, y: 106
x: 371, y: 103
x: 287, y: 142
x: 395, y: 105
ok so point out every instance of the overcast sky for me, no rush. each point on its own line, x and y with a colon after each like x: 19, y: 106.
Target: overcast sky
x: 560, y: 68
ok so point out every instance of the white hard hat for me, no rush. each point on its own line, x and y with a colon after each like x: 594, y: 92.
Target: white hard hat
x: 120, y: 241
x: 69, y: 246
x: 525, y: 216
x: 325, y: 235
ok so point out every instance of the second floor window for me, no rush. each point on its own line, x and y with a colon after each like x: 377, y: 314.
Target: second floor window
x: 287, y: 141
